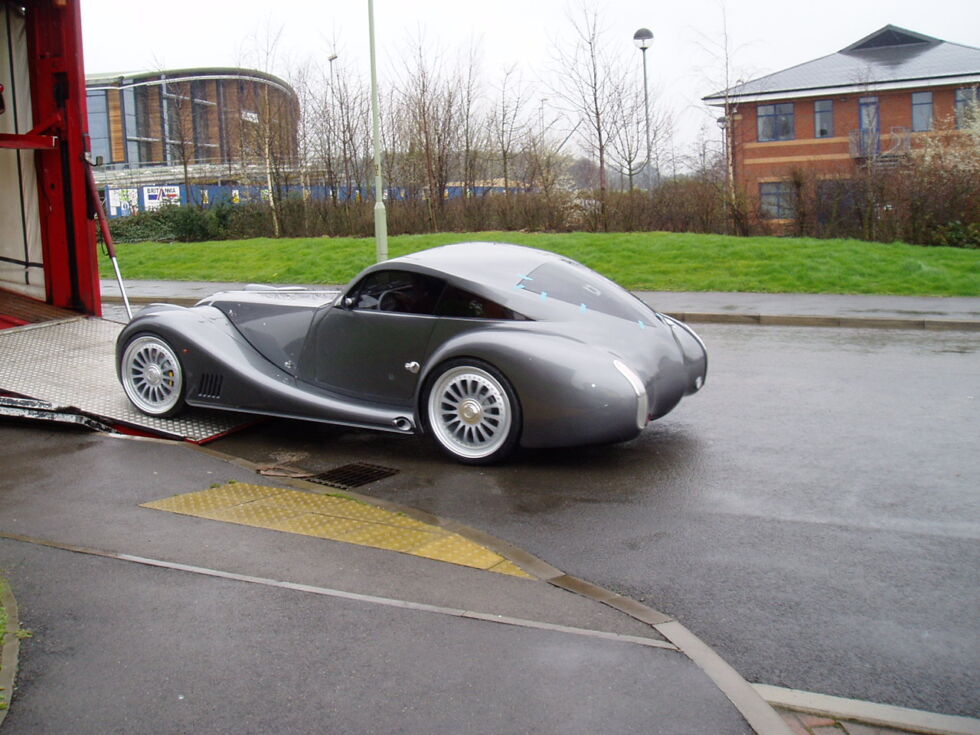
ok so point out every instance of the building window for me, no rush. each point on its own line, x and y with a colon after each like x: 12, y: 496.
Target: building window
x: 921, y: 111
x: 204, y: 150
x: 98, y: 126
x: 776, y: 122
x: 966, y: 105
x: 870, y: 120
x: 130, y: 129
x: 823, y: 118
x: 776, y: 200
x: 136, y: 122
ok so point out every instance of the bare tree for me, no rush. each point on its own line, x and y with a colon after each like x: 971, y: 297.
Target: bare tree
x: 432, y: 113
x: 352, y: 106
x: 472, y: 132
x: 627, y: 136
x: 723, y: 51
x: 505, y: 130
x: 587, y: 84
x: 304, y: 79
x: 177, y: 134
x: 268, y: 132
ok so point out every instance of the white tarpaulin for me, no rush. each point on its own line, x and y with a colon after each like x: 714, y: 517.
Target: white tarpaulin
x: 21, y: 258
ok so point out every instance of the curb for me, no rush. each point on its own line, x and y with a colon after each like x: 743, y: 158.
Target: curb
x: 788, y: 320
x: 868, y: 713
x: 9, y: 651
x: 767, y: 320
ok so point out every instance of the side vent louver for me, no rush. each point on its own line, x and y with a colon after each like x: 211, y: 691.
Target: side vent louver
x: 210, y: 386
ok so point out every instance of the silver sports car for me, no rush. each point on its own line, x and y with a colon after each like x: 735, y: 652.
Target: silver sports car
x: 482, y: 346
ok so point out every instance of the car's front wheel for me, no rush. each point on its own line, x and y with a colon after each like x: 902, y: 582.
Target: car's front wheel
x: 472, y: 411
x: 152, y: 376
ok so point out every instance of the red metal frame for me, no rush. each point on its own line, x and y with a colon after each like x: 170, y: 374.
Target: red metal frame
x: 54, y: 40
x: 27, y: 141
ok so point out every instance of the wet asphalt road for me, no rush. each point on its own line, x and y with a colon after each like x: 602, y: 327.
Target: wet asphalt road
x: 812, y: 514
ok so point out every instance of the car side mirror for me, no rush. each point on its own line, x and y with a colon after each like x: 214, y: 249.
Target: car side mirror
x: 349, y: 302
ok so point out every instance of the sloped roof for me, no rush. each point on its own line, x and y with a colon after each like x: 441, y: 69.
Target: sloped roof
x: 891, y: 57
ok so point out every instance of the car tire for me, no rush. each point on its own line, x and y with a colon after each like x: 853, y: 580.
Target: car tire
x: 472, y: 412
x: 152, y: 376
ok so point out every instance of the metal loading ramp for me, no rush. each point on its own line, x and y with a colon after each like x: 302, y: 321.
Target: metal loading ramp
x: 67, y: 368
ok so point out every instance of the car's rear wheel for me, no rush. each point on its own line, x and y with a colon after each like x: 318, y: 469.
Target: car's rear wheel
x: 472, y: 411
x: 152, y: 376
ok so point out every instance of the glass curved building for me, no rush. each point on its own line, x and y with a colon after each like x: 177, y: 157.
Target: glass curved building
x: 209, y: 120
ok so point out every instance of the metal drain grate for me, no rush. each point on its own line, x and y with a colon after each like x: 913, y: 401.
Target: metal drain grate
x: 349, y: 476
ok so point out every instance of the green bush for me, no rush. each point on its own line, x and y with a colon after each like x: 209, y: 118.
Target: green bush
x: 956, y: 234
x: 141, y: 227
x: 172, y: 223
x: 244, y: 221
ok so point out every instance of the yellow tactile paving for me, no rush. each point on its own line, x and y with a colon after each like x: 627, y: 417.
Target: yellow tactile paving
x: 336, y: 518
x: 459, y: 550
x: 334, y: 505
x: 393, y: 538
x: 315, y: 524
x: 221, y: 496
x: 509, y: 567
x: 261, y: 514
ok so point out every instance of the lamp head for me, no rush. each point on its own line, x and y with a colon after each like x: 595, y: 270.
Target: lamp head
x: 643, y: 38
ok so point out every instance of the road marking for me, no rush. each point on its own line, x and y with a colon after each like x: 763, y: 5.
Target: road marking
x: 344, y: 595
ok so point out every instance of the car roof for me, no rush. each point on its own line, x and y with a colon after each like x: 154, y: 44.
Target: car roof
x: 494, y: 264
x: 502, y: 272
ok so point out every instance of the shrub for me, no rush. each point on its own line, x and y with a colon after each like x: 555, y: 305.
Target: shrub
x: 957, y: 235
x: 170, y: 223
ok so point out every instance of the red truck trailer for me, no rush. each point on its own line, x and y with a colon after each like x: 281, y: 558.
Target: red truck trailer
x: 48, y: 249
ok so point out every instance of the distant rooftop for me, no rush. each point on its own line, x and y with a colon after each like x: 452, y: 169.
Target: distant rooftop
x: 889, y: 58
x: 153, y: 76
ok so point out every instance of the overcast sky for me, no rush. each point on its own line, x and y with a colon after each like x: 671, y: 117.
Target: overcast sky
x: 684, y: 60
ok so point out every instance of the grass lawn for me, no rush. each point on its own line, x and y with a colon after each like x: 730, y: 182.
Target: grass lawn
x: 654, y: 261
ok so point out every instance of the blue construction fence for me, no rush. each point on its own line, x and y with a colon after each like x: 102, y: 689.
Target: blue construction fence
x: 125, y: 201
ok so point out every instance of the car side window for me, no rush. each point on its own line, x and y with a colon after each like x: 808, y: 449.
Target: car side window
x: 456, y: 302
x: 398, y: 291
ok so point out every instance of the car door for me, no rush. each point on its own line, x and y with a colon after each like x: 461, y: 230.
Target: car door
x: 372, y: 343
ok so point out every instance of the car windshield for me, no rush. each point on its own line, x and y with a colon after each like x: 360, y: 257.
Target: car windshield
x: 577, y: 285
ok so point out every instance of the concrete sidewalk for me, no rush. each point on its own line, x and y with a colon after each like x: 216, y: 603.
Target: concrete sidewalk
x: 827, y: 310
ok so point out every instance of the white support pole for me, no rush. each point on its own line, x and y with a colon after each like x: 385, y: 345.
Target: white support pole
x: 380, y: 215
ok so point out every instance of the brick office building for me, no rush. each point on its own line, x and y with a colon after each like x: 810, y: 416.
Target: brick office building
x: 829, y: 119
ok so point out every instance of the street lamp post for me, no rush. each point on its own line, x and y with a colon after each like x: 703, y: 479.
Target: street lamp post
x: 725, y: 123
x: 380, y: 215
x: 331, y: 122
x: 643, y: 38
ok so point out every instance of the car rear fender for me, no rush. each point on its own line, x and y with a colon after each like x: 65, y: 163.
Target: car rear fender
x: 570, y: 392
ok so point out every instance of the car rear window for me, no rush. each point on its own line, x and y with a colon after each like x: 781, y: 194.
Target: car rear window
x: 575, y: 284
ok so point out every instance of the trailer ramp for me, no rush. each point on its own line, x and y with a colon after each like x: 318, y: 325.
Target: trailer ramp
x: 66, y: 369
